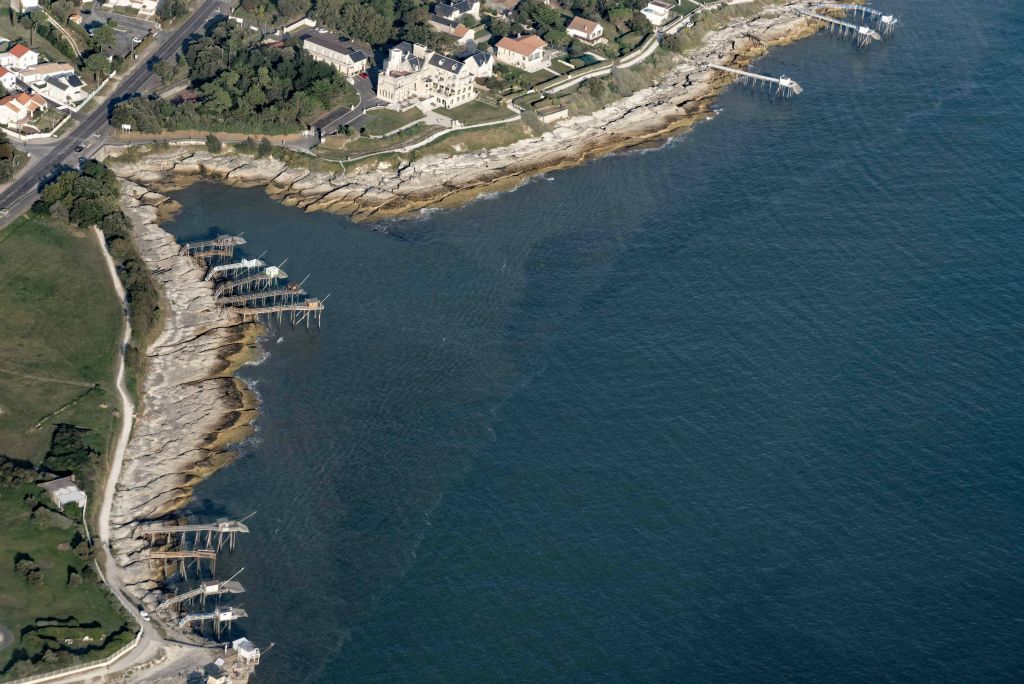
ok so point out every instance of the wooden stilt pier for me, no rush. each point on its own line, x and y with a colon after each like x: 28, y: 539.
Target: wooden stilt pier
x: 885, y: 24
x: 267, y: 278
x: 220, y: 247
x: 862, y: 34
x: 287, y: 294
x: 782, y: 86
x: 297, y: 312
x: 247, y: 265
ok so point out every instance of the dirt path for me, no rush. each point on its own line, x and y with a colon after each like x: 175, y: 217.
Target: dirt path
x: 43, y: 378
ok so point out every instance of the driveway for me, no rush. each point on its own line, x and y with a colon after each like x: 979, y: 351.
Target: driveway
x: 332, y: 121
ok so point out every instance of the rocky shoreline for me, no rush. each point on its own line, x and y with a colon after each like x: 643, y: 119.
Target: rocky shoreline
x: 193, y: 405
x: 437, y: 181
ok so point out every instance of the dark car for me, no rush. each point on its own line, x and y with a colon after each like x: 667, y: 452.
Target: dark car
x: 79, y: 148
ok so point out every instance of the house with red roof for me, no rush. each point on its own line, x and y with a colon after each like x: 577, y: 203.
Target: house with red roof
x: 19, y: 57
x: 525, y: 52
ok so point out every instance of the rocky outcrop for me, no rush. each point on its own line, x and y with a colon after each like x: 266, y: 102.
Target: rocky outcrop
x: 190, y: 398
x: 446, y: 180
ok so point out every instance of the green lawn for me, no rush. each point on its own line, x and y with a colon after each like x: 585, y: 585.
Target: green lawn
x: 383, y: 121
x: 62, y: 323
x: 43, y: 614
x: 361, y: 146
x: 16, y: 33
x: 475, y: 112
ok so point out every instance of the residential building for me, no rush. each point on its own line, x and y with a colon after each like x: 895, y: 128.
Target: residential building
x: 64, y: 90
x: 64, y: 490
x: 8, y: 79
x: 586, y: 30
x: 525, y: 52
x: 453, y: 27
x: 658, y: 12
x: 145, y: 8
x: 18, y: 57
x: 40, y: 72
x: 344, y: 56
x: 480, y: 64
x: 24, y: 5
x: 457, y: 10
x: 417, y: 73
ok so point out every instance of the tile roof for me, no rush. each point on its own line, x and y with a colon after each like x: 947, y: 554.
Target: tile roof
x: 583, y: 25
x: 524, y: 46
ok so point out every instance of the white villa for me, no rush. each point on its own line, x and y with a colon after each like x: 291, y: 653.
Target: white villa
x: 7, y: 78
x: 65, y: 90
x: 414, y: 72
x: 145, y: 8
x: 64, y: 490
x: 19, y: 57
x: 586, y: 30
x: 24, y: 5
x: 658, y: 12
x: 526, y: 52
x: 344, y: 56
x: 35, y: 75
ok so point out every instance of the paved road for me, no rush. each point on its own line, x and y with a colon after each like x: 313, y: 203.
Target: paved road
x: 20, y: 195
x: 332, y: 121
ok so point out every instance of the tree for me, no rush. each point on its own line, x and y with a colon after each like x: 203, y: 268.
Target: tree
x: 96, y: 64
x: 264, y: 149
x: 557, y: 37
x: 103, y: 38
x: 213, y: 144
x: 59, y: 212
x: 639, y: 23
x: 578, y: 48
x: 500, y: 27
x: 172, y: 9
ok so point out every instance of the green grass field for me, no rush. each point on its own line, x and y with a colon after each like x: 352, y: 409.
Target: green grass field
x: 475, y: 112
x: 62, y: 324
x: 67, y: 601
x: 383, y: 121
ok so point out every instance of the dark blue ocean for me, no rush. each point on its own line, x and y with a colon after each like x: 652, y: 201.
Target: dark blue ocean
x: 745, y: 408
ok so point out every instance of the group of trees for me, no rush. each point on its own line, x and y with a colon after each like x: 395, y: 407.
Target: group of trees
x: 241, y: 85
x: 91, y: 197
x: 10, y: 158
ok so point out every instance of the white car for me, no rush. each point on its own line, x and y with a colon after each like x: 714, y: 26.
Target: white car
x: 144, y: 614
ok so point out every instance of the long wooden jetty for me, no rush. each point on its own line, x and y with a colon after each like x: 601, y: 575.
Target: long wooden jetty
x: 297, y: 312
x: 778, y: 86
x: 266, y: 278
x: 203, y: 591
x: 884, y: 23
x: 220, y: 247
x: 864, y: 35
x: 287, y: 294
x: 243, y: 265
x: 203, y: 535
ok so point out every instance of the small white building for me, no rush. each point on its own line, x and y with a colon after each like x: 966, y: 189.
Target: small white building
x: 18, y: 57
x: 586, y: 30
x: 24, y: 5
x: 65, y: 90
x: 34, y: 75
x: 658, y: 12
x: 480, y: 64
x: 246, y: 650
x: 526, y: 52
x: 62, y: 491
x: 145, y: 8
x: 344, y: 56
x: 8, y: 79
x: 452, y: 27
